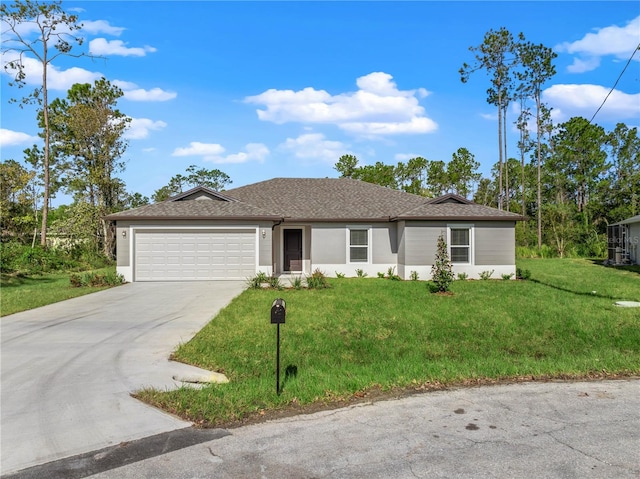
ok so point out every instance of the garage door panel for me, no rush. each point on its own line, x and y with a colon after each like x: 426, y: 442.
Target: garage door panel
x: 188, y: 255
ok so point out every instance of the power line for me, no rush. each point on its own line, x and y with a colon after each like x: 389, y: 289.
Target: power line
x: 616, y: 83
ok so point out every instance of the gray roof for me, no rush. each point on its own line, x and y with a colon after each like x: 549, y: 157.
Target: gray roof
x: 196, y: 209
x: 326, y: 198
x: 453, y: 211
x: 633, y: 219
x: 317, y: 199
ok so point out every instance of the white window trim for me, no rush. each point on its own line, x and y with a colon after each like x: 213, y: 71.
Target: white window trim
x: 471, y: 228
x: 366, y: 228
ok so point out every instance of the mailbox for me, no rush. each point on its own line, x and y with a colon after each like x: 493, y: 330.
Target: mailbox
x: 278, y: 311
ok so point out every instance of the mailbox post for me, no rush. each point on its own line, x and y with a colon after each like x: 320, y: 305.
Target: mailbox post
x: 278, y: 313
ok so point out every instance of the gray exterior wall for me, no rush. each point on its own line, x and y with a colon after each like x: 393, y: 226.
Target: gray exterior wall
x: 384, y: 239
x: 495, y: 243
x: 329, y: 243
x: 122, y: 246
x: 420, y: 241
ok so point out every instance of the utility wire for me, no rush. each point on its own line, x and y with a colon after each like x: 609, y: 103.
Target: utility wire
x: 616, y: 83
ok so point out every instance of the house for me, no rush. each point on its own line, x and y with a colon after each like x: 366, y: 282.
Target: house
x: 297, y: 225
x: 623, y: 240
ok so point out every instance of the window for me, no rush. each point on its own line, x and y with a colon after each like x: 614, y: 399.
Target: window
x: 358, y: 245
x: 460, y: 244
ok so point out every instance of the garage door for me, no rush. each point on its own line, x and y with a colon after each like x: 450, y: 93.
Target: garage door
x: 195, y: 255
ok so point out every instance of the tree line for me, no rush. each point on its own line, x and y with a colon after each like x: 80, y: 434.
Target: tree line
x: 570, y: 179
x: 589, y: 178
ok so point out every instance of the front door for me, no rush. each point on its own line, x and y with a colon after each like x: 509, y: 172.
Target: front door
x: 292, y: 250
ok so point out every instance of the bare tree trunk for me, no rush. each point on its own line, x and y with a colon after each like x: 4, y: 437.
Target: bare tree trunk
x: 506, y: 158
x: 499, y: 150
x: 45, y: 113
x: 538, y: 127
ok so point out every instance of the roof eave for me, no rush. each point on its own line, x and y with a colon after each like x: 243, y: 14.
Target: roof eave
x: 293, y: 219
x: 459, y: 218
x: 199, y: 217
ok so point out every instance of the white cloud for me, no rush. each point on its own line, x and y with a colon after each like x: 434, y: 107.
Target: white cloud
x: 253, y: 152
x: 155, y: 94
x: 612, y: 40
x: 213, y: 152
x: 96, y: 27
x: 101, y: 46
x: 583, y: 100
x: 314, y: 146
x: 415, y: 125
x: 133, y: 93
x: 56, y: 79
x: 581, y: 66
x: 196, y: 148
x: 405, y: 156
x: 11, y: 138
x: 377, y: 108
x: 139, y: 128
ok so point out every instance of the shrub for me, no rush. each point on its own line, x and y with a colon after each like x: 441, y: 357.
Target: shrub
x: 19, y: 258
x: 523, y: 273
x: 9, y: 254
x: 317, y: 280
x: 96, y: 280
x: 391, y: 274
x: 463, y: 276
x: 274, y: 282
x: 76, y: 280
x: 485, y: 275
x: 360, y: 273
x: 441, y: 271
x: 256, y: 282
x: 296, y: 282
x: 339, y: 275
x: 414, y: 276
x: 380, y: 275
x: 507, y: 277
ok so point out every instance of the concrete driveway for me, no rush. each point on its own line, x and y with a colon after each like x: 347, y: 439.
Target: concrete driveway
x: 67, y: 369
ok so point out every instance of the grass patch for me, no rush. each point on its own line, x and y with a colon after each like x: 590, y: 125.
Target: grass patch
x: 368, y: 335
x: 21, y: 293
x: 586, y: 277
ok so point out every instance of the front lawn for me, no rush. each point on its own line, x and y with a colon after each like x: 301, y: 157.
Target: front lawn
x: 367, y: 335
x: 20, y: 293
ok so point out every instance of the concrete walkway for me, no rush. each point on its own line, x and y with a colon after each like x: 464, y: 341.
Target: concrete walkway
x: 67, y: 369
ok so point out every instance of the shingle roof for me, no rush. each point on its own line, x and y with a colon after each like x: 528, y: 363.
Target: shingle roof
x: 318, y: 199
x: 326, y: 198
x: 453, y: 211
x: 196, y: 209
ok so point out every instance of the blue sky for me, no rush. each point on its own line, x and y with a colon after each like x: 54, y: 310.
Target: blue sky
x: 267, y: 89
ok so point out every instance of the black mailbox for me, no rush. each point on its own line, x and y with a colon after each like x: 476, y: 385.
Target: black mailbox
x: 278, y: 311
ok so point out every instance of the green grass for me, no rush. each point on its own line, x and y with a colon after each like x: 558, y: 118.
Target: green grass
x: 372, y: 334
x: 586, y: 277
x: 20, y: 293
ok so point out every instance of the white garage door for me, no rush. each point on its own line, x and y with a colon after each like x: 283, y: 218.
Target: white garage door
x: 162, y: 255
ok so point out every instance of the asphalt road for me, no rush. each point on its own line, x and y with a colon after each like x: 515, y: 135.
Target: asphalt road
x: 67, y: 369
x: 544, y: 430
x: 560, y: 430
